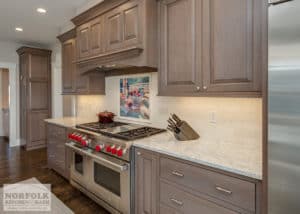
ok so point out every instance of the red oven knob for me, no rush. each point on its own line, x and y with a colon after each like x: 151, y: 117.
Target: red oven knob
x: 114, y: 151
x: 75, y: 136
x: 84, y: 142
x: 98, y: 148
x: 70, y: 136
x: 108, y: 148
x: 120, y: 152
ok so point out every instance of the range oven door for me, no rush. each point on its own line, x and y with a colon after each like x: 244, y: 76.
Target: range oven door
x: 110, y: 181
x: 79, y: 166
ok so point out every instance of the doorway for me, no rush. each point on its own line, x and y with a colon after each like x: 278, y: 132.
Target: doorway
x: 4, y: 104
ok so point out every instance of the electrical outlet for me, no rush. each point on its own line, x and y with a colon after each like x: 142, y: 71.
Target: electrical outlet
x: 212, y: 117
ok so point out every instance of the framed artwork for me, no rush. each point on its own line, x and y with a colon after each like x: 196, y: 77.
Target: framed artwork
x: 135, y: 98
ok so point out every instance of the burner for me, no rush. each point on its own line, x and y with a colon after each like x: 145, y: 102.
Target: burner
x: 120, y: 130
x: 96, y: 126
x: 139, y: 133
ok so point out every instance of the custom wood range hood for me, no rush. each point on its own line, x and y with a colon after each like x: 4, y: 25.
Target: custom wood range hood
x: 117, y: 37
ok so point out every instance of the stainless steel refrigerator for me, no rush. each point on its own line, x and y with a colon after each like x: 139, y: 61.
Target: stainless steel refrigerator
x: 284, y: 108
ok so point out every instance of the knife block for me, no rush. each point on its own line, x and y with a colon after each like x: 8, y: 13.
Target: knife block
x: 186, y: 132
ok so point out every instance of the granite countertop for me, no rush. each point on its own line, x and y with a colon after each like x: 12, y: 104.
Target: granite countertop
x: 244, y: 158
x: 69, y: 122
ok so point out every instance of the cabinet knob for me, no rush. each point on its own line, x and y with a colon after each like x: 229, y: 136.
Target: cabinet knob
x: 205, y: 87
x: 198, y: 88
x: 138, y: 153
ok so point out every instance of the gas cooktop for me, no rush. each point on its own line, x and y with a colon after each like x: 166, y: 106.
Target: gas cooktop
x: 121, y: 130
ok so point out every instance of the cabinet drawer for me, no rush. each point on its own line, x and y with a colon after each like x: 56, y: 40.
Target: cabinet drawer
x: 167, y: 210
x: 235, y: 191
x: 186, y: 203
x: 56, y: 132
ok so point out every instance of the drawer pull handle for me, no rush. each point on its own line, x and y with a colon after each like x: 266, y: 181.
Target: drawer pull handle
x: 178, y: 174
x: 226, y: 191
x: 179, y: 203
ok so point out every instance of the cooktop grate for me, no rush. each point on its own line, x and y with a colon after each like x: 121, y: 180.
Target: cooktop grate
x: 132, y: 134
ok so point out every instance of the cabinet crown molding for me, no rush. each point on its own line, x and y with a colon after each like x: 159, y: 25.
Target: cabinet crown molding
x: 67, y: 35
x: 96, y: 10
x: 32, y: 50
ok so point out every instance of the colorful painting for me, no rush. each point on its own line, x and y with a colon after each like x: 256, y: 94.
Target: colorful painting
x: 134, y: 97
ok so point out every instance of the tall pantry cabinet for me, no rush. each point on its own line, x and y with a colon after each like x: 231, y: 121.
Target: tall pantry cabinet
x: 35, y: 95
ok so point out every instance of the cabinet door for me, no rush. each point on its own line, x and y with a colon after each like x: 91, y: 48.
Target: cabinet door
x: 131, y: 24
x: 232, y: 45
x: 180, y: 54
x: 114, y: 29
x: 69, y: 66
x: 96, y: 36
x: 37, y: 129
x: 146, y: 182
x: 83, y: 37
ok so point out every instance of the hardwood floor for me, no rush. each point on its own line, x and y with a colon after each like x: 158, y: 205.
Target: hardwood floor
x: 16, y: 165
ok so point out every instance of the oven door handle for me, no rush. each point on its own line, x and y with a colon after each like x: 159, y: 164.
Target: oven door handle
x: 115, y: 166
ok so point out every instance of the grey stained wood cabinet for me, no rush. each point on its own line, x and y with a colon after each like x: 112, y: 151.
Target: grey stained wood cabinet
x: 211, y: 47
x: 146, y: 182
x: 58, y: 154
x: 74, y: 79
x: 90, y: 38
x: 168, y: 185
x: 68, y: 67
x: 118, y: 32
x: 35, y: 95
x: 117, y: 29
x: 123, y: 26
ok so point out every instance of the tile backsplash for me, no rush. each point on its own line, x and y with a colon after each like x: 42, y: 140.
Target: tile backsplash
x: 215, y: 119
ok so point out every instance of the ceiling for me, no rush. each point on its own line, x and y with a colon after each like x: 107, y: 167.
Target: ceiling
x: 37, y: 29
x: 284, y: 25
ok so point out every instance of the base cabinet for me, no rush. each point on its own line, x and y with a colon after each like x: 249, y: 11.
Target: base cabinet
x: 57, y: 153
x: 146, y: 182
x: 167, y: 185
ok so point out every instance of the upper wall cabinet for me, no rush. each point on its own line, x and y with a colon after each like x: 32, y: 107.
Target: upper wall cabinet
x: 211, y: 47
x: 74, y: 81
x: 118, y: 32
x: 90, y: 40
x: 68, y: 66
x: 96, y: 37
x: 180, y: 47
x: 123, y: 26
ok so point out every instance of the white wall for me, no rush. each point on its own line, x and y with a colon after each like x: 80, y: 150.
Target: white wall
x: 56, y: 65
x: 8, y: 52
x: 237, y: 119
x: 9, y: 59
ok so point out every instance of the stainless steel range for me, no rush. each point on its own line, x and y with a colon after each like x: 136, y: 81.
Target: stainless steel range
x: 101, y: 161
